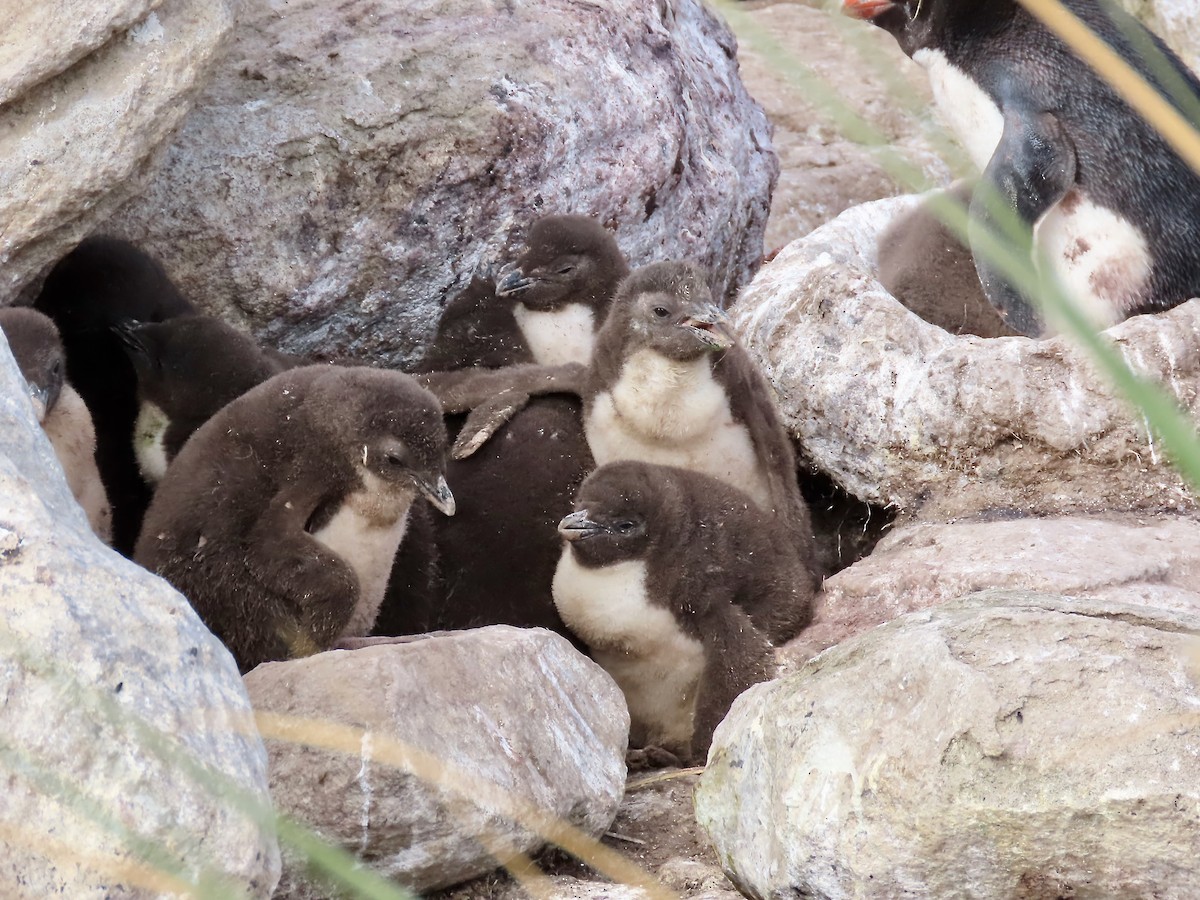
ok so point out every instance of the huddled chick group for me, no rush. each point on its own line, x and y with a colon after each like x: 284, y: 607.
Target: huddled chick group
x: 638, y: 494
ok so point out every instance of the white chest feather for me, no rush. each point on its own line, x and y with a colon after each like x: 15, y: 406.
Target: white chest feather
x: 675, y: 414
x: 967, y: 109
x: 148, y: 433
x: 640, y: 644
x: 69, y: 428
x: 1102, y: 259
x: 366, y: 532
x: 556, y: 338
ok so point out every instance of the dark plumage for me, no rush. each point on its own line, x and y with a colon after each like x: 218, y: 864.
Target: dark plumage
x: 1117, y: 210
x: 496, y: 557
x: 39, y: 354
x: 280, y: 517
x: 924, y: 266
x: 102, y: 282
x: 674, y: 580
x: 187, y: 369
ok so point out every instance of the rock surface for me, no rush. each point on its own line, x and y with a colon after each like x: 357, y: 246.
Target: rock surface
x: 112, y: 692
x: 350, y: 166
x: 89, y: 92
x: 1005, y: 745
x: 902, y: 413
x: 1147, y: 561
x: 505, y: 709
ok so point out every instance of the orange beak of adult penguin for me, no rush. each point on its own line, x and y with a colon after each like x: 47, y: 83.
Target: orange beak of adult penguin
x: 866, y: 9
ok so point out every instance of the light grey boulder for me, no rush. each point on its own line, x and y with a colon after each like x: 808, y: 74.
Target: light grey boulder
x: 1151, y: 561
x: 508, y: 717
x: 352, y: 164
x: 114, y: 695
x: 904, y: 414
x: 89, y: 93
x: 1005, y: 745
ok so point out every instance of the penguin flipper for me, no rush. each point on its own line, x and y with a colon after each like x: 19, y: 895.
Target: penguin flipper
x: 1031, y: 170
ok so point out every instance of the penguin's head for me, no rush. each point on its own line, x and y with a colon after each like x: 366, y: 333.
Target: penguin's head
x: 567, y: 259
x: 389, y: 426
x: 912, y: 22
x: 192, y: 365
x: 38, y: 350
x: 614, y: 510
x: 669, y: 309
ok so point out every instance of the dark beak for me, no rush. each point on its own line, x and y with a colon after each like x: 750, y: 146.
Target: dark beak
x: 40, y: 395
x: 127, y: 333
x: 577, y: 526
x: 711, y: 328
x: 512, y: 280
x: 436, y: 491
x: 867, y: 9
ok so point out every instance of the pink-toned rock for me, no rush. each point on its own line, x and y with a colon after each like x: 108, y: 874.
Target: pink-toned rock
x: 1148, y: 561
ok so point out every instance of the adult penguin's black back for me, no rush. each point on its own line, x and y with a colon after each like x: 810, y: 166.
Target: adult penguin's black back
x: 1116, y: 210
x: 102, y: 282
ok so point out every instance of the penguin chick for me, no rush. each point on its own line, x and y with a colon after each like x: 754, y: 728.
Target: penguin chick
x: 1115, y: 210
x: 187, y: 368
x: 669, y: 384
x: 929, y: 270
x: 497, y: 555
x: 666, y: 575
x: 281, y: 516
x: 545, y: 306
x: 100, y: 283
x: 38, y: 351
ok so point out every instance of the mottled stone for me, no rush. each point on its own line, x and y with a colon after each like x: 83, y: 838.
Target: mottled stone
x: 902, y: 413
x: 112, y: 693
x: 1151, y: 561
x: 89, y: 93
x: 1004, y: 745
x: 351, y: 165
x: 506, y: 715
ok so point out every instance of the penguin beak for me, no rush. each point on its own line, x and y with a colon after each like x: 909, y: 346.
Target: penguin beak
x: 127, y: 333
x: 867, y: 9
x: 512, y: 280
x: 577, y: 526
x: 39, y: 394
x: 711, y: 327
x: 437, y: 492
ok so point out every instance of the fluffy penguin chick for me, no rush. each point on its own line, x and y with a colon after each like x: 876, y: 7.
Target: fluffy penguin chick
x: 280, y: 517
x: 497, y: 555
x: 64, y: 417
x: 928, y: 269
x: 667, y: 575
x: 187, y: 369
x: 102, y: 282
x: 1114, y: 208
x: 544, y: 307
x: 669, y: 384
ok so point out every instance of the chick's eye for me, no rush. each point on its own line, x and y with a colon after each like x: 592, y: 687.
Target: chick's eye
x: 661, y: 311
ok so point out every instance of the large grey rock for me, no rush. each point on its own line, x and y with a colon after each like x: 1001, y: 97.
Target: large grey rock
x: 1006, y: 745
x: 351, y: 164
x: 510, y: 715
x: 113, y: 692
x: 902, y: 413
x: 89, y: 92
x: 1149, y: 561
